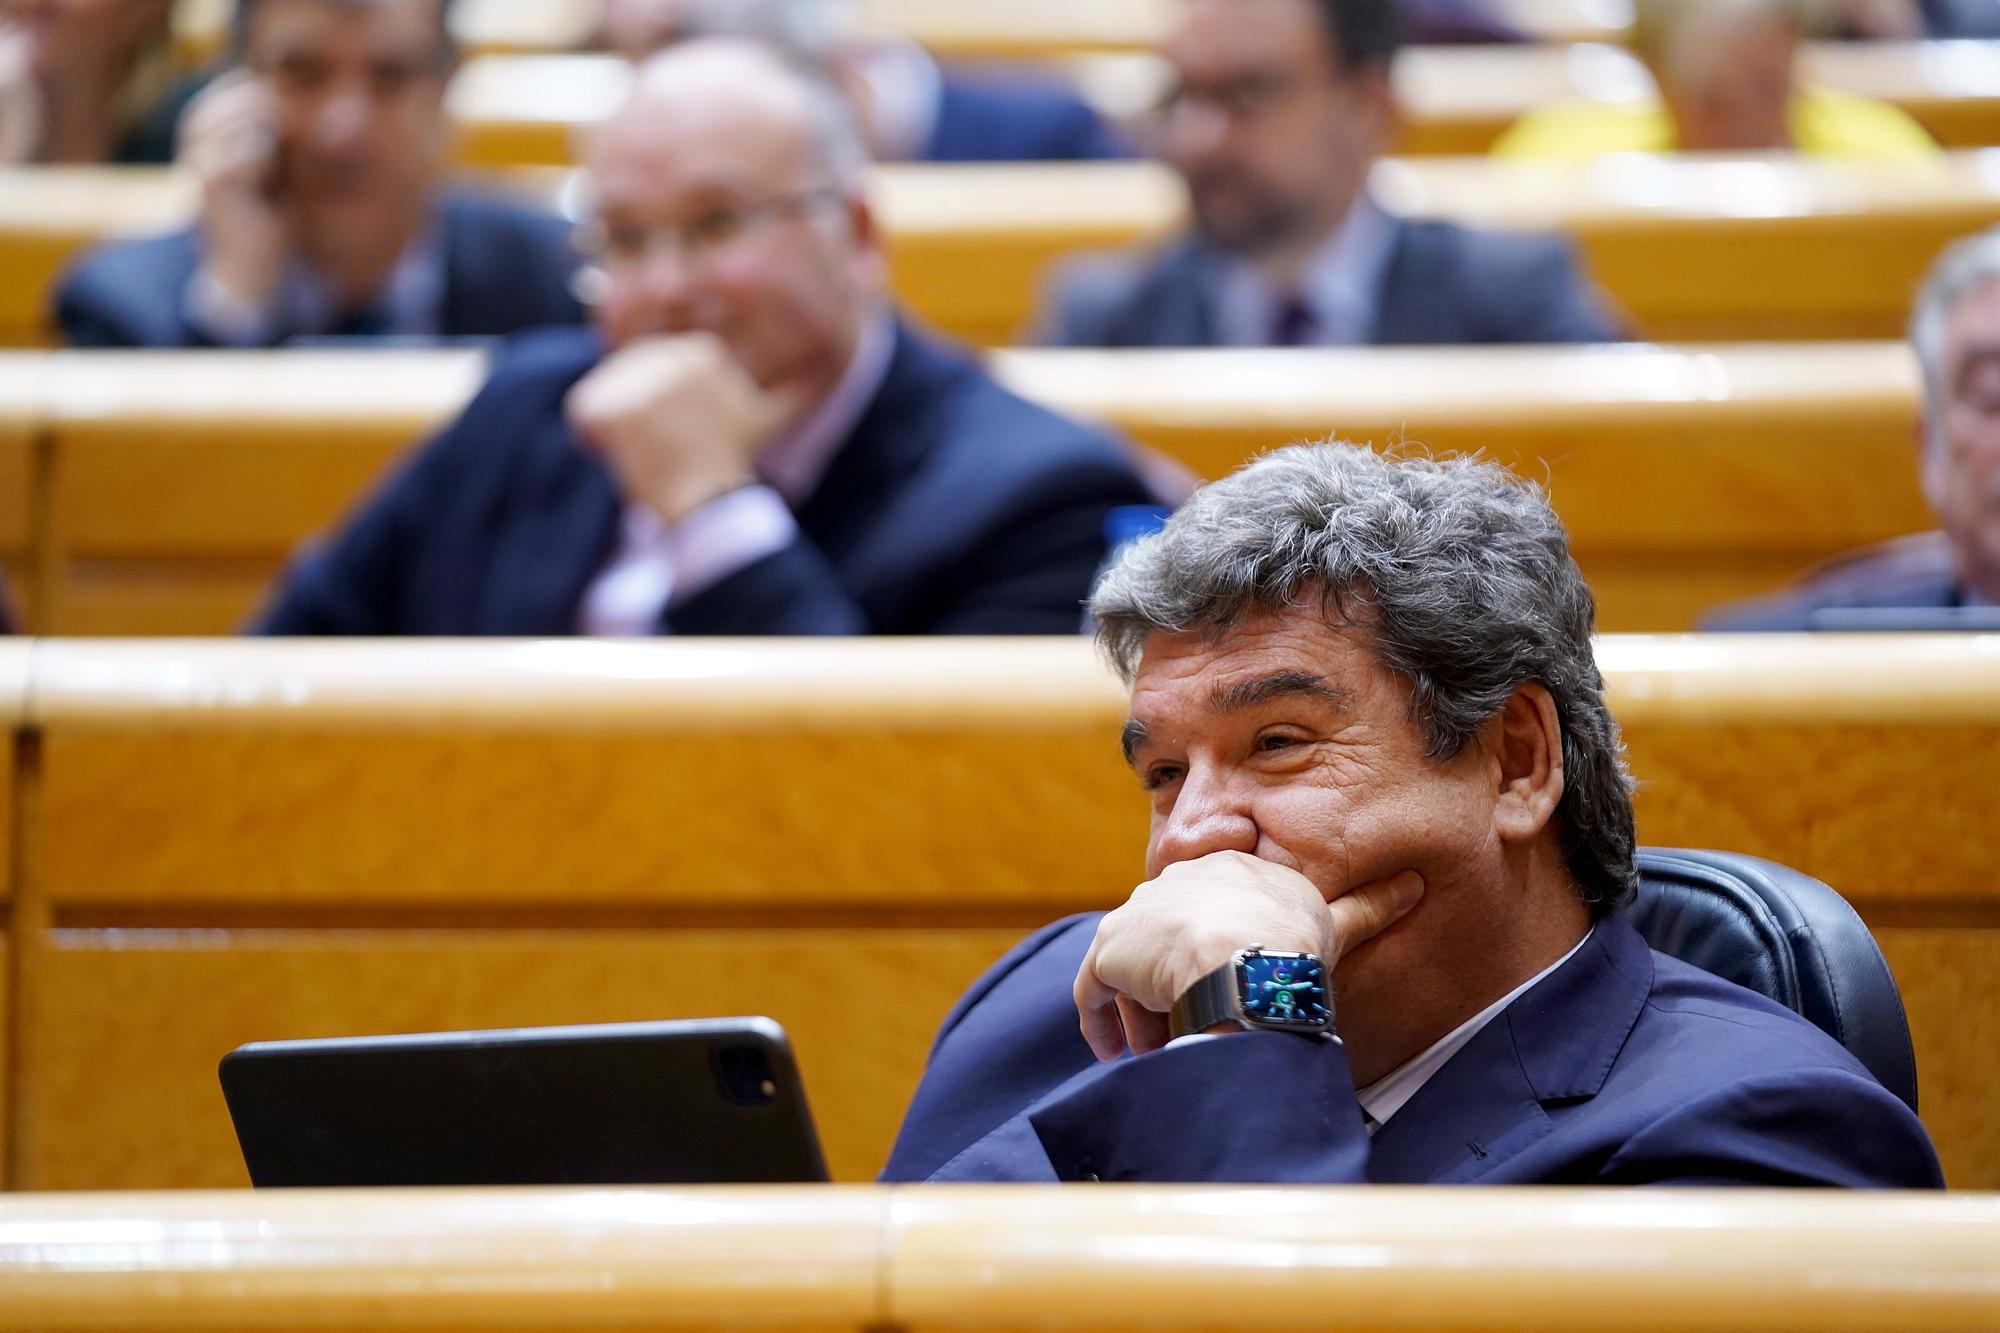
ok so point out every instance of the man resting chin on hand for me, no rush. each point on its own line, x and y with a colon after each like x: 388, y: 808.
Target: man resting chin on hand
x: 1391, y: 836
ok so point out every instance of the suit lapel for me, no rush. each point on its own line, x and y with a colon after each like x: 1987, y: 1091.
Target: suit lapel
x: 1553, y: 1046
x: 1404, y: 296
x: 1013, y: 1150
x: 545, y: 559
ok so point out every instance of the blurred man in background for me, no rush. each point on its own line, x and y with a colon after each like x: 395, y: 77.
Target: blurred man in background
x: 752, y: 443
x: 1727, y: 76
x: 1278, y: 111
x: 322, y: 211
x: 1953, y: 573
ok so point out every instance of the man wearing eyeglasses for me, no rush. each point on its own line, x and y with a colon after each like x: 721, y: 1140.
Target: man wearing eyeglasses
x: 750, y: 442
x: 322, y: 216
x: 1277, y: 113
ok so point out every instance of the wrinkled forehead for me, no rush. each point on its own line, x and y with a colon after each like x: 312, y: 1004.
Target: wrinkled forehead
x: 672, y: 147
x: 409, y: 28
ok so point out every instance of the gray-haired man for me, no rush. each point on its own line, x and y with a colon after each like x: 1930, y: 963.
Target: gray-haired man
x: 1949, y: 578
x: 1385, y: 784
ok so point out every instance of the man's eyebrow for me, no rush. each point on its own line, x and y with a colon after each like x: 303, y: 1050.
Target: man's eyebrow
x: 1262, y: 689
x: 1134, y: 736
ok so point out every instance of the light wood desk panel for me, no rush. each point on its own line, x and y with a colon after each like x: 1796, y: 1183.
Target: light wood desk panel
x: 1001, y: 1257
x: 1691, y: 248
x: 119, y: 1097
x: 1417, y: 1258
x: 791, y: 1258
x: 970, y: 28
x: 536, y: 110
x: 1686, y: 476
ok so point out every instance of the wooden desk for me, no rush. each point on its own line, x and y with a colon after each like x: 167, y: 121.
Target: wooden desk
x: 526, y: 110
x: 1692, y: 249
x: 1001, y: 1257
x: 357, y: 837
x: 969, y: 28
x: 23, y: 377
x: 180, y: 483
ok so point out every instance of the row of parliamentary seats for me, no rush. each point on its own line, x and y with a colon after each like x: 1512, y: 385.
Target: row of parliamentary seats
x: 761, y: 506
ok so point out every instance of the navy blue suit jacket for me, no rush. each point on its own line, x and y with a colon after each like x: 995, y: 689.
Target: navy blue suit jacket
x: 1909, y: 573
x: 953, y: 507
x: 992, y: 117
x: 1623, y: 1066
x: 1443, y: 284
x: 507, y: 268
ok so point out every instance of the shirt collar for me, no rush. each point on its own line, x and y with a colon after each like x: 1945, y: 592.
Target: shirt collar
x: 1341, y: 287
x: 905, y: 98
x: 793, y: 463
x: 411, y: 302
x: 1388, y: 1094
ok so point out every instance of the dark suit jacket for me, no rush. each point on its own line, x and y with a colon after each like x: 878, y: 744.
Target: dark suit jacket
x: 1963, y: 18
x: 507, y: 268
x: 1623, y: 1066
x: 953, y: 508
x: 1912, y: 573
x: 993, y: 117
x: 1443, y: 284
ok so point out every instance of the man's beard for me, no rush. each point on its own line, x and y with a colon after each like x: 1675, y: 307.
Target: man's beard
x: 1255, y: 224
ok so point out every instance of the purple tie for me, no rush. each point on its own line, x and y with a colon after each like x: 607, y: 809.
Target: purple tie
x: 1293, y: 325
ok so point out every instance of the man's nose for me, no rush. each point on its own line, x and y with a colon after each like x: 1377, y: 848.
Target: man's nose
x: 1195, y: 132
x: 342, y: 118
x: 663, y: 278
x: 1210, y: 815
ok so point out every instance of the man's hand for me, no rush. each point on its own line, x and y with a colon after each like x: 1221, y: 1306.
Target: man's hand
x: 229, y: 141
x: 1182, y: 925
x: 677, y: 420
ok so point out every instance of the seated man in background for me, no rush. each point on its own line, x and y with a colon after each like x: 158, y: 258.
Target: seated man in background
x: 1956, y: 334
x: 1279, y: 109
x: 85, y: 81
x: 322, y: 214
x: 911, y: 109
x: 755, y: 446
x: 1727, y: 77
x: 1383, y: 777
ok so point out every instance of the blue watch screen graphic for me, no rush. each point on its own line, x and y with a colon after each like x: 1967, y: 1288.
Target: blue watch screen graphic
x: 1286, y: 990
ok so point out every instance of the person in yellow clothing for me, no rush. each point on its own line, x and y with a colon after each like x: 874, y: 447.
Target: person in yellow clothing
x: 1726, y: 74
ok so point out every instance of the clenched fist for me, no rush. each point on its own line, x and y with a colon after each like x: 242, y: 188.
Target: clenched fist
x: 677, y: 420
x: 1187, y: 921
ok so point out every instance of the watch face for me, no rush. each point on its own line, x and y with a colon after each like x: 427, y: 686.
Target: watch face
x: 1283, y: 989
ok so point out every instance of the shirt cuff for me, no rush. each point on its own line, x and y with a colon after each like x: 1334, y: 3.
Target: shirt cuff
x: 731, y: 532
x: 223, y: 316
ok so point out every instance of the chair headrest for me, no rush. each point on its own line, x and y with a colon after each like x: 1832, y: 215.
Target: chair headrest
x: 1784, y: 935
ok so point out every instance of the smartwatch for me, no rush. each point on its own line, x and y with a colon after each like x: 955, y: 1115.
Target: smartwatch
x: 1258, y: 988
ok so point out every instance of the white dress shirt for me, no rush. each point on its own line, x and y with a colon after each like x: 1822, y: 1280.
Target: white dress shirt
x: 412, y: 302
x: 657, y: 564
x: 1342, y: 288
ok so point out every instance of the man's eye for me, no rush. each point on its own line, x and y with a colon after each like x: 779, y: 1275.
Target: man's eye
x: 1160, y: 775
x: 1277, y: 741
x: 716, y: 228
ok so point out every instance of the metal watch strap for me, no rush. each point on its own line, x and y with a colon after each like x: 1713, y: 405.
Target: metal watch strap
x: 1209, y: 1001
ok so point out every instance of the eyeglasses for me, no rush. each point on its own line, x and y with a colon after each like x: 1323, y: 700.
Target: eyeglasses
x: 701, y: 238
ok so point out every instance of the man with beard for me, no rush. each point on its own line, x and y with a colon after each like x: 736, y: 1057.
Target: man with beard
x: 321, y: 214
x: 1277, y: 112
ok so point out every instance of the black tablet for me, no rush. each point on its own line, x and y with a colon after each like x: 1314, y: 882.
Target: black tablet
x: 709, y: 1101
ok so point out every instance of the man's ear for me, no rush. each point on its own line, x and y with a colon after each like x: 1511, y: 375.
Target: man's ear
x: 1527, y: 763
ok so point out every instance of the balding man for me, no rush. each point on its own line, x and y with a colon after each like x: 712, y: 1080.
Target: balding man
x: 750, y: 443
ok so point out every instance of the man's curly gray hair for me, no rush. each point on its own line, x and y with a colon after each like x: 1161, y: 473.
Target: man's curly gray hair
x: 1458, y: 570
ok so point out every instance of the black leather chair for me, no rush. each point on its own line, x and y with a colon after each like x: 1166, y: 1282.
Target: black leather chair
x: 1784, y: 935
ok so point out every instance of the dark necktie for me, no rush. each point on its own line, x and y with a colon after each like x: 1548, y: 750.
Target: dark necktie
x: 370, y: 321
x: 1293, y: 324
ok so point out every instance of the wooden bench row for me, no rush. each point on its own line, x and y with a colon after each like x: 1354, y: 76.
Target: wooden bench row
x: 228, y: 841
x: 534, y: 110
x: 158, y: 493
x: 976, y: 29
x: 1001, y: 1257
x: 1690, y: 248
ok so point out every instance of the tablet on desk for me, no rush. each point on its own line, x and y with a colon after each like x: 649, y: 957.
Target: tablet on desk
x: 701, y: 1102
